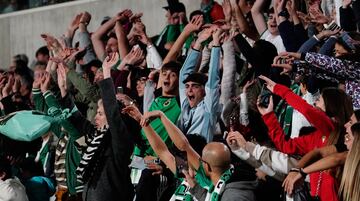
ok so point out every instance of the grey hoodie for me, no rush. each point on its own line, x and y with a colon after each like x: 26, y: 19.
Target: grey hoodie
x: 234, y: 191
x: 239, y: 191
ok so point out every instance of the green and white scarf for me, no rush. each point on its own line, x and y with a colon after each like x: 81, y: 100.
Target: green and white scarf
x: 214, y: 192
x: 182, y: 192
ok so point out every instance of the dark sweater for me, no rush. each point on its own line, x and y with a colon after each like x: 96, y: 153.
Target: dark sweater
x: 111, y: 181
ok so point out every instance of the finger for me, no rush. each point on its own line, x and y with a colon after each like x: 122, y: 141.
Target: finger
x: 266, y: 79
x: 271, y: 102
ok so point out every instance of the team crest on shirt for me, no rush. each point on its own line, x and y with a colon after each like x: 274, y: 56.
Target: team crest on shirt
x: 167, y: 103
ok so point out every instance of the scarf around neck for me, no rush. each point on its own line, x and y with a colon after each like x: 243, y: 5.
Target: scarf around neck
x: 214, y: 192
x: 90, y: 158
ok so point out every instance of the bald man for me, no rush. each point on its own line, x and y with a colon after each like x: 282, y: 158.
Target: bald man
x: 216, y: 171
x: 213, y: 170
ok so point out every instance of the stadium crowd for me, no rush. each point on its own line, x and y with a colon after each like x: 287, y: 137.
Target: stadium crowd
x: 247, y: 100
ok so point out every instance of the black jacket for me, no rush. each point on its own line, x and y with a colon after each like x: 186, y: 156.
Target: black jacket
x: 112, y: 180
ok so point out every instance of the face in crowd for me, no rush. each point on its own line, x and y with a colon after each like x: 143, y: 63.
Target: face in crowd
x: 272, y: 25
x: 349, y: 137
x: 111, y: 45
x: 140, y: 86
x: 170, y: 82
x: 195, y: 93
x: 100, y: 117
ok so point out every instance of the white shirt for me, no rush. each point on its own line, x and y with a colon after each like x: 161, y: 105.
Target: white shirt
x: 276, y: 40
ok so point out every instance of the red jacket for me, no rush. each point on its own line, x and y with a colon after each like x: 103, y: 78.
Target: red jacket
x: 304, y: 144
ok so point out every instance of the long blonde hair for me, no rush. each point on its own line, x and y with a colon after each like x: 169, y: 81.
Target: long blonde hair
x: 350, y: 181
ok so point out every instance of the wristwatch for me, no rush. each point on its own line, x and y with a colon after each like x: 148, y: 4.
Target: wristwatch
x: 284, y: 13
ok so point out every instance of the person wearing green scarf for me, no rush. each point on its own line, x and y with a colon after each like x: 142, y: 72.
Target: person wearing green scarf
x: 213, y: 179
x: 215, y: 171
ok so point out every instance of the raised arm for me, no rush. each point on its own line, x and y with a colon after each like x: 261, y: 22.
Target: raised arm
x: 70, y: 31
x: 84, y: 38
x: 315, y: 116
x: 212, y: 89
x: 258, y: 17
x: 159, y: 146
x: 96, y: 37
x: 229, y: 72
x: 175, y: 134
x: 242, y: 22
x: 123, y: 44
x: 191, y: 27
x: 343, y: 68
x: 121, y: 139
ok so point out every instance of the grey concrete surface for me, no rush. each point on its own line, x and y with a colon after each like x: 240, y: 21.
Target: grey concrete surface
x: 20, y: 31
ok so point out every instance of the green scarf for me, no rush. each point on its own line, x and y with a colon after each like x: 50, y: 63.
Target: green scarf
x: 214, y: 192
x: 182, y: 192
x: 284, y: 112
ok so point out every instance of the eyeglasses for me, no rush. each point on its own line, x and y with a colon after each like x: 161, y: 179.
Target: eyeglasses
x: 204, y: 162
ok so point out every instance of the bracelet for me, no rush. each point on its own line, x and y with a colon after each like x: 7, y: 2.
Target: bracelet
x: 294, y: 170
x: 303, y: 174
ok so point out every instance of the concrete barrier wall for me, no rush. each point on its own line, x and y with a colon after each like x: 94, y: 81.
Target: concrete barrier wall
x: 20, y: 31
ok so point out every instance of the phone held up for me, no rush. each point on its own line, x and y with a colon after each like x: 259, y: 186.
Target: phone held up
x: 264, y: 96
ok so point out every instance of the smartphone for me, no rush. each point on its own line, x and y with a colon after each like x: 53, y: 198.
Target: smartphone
x: 282, y: 61
x: 265, y: 95
x: 181, y: 164
x: 120, y: 90
x: 332, y: 26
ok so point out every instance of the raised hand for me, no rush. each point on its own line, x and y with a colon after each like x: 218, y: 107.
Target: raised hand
x: 110, y: 61
x: 136, y: 18
x: 148, y: 116
x: 280, y: 5
x: 124, y: 99
x: 205, y: 34
x: 45, y: 82
x: 263, y: 110
x: 327, y: 33
x: 290, y: 6
x: 217, y: 35
x: 85, y: 18
x: 52, y: 42
x: 124, y: 16
x: 226, y: 5
x: 133, y: 112
x: 61, y: 75
x: 134, y: 57
x: 235, y: 140
x: 248, y: 84
x: 75, y: 22
x: 269, y: 83
x: 195, y: 24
